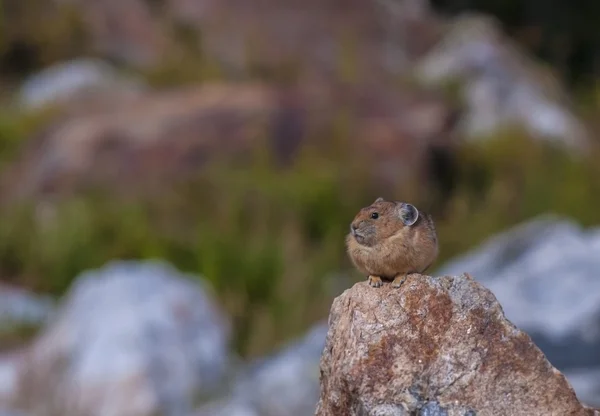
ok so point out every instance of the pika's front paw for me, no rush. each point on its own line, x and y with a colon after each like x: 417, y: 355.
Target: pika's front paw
x: 398, y: 280
x: 375, y: 281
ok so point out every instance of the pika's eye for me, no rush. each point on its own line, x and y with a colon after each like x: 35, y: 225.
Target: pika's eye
x: 374, y: 215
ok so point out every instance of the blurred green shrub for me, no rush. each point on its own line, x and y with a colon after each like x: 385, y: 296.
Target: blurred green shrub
x: 510, y: 178
x: 36, y: 33
x: 268, y: 237
x: 15, y: 127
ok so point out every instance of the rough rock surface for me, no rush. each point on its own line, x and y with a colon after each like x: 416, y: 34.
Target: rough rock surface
x: 436, y: 346
x: 545, y: 274
x: 131, y: 339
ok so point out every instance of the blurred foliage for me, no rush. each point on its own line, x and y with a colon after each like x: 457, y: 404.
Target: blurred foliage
x: 187, y: 63
x: 268, y: 237
x: 509, y: 179
x: 264, y: 237
x: 15, y: 127
x: 11, y: 336
x: 35, y: 33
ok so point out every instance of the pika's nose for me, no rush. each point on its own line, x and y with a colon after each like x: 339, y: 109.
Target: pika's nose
x: 353, y: 227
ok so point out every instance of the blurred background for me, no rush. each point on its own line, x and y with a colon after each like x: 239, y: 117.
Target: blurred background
x: 177, y: 178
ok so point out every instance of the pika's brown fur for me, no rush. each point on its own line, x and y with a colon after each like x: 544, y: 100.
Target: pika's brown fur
x: 389, y: 240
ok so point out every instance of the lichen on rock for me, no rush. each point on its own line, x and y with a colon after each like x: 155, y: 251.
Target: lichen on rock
x: 435, y: 346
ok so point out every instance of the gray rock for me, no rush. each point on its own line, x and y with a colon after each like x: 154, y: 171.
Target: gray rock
x: 4, y: 412
x: 501, y: 86
x: 435, y: 347
x: 9, y: 373
x: 586, y: 383
x: 131, y: 338
x: 432, y: 409
x: 285, y: 384
x: 227, y: 407
x: 545, y: 275
x: 67, y: 79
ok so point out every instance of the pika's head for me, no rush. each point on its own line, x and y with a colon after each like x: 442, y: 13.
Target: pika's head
x: 381, y: 220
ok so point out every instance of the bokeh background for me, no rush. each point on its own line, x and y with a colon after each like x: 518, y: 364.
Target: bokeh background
x: 177, y: 178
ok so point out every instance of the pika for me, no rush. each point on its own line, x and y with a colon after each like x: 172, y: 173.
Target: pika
x: 390, y: 240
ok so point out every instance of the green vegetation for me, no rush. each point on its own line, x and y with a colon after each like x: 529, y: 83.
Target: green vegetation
x: 267, y: 238
x: 510, y: 179
x: 14, y: 335
x: 36, y: 33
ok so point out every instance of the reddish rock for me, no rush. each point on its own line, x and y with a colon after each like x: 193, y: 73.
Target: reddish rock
x: 436, y: 346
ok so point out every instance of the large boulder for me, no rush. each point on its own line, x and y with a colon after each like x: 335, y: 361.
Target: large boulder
x: 131, y: 339
x: 436, y: 346
x: 545, y: 274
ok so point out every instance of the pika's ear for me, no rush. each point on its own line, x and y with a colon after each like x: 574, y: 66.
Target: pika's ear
x: 380, y: 199
x: 408, y: 214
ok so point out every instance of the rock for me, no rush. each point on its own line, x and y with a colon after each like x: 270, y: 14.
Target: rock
x: 68, y: 80
x: 545, y: 274
x: 163, y: 136
x: 227, y: 407
x: 500, y: 86
x: 131, y: 339
x: 10, y: 364
x: 436, y: 346
x: 285, y: 384
x: 4, y: 412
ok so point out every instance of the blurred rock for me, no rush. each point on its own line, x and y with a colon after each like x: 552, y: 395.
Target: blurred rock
x: 71, y: 80
x: 545, y: 275
x: 500, y: 85
x: 161, y: 136
x: 227, y: 407
x: 586, y: 383
x: 290, y: 36
x: 285, y: 384
x: 11, y: 413
x: 130, y: 339
x: 19, y: 307
x: 10, y: 364
x: 436, y: 346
